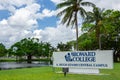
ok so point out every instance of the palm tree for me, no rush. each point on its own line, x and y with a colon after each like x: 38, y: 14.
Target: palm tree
x: 94, y: 21
x: 70, y: 13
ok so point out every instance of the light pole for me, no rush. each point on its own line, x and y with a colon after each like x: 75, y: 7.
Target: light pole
x: 116, y: 40
x: 100, y: 40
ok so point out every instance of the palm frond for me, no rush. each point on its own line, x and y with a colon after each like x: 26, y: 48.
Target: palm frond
x: 69, y: 20
x: 79, y: 1
x: 82, y: 12
x: 87, y: 4
x: 73, y: 23
x: 65, y: 4
x: 64, y: 11
x: 67, y: 16
x: 87, y: 27
x: 90, y: 18
x: 92, y: 28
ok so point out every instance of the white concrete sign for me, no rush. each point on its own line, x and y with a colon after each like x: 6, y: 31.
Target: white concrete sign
x: 100, y: 59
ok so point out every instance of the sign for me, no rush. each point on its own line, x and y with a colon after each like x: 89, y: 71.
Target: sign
x: 100, y: 59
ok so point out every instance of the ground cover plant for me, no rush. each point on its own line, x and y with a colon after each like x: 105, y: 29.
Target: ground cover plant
x: 49, y: 73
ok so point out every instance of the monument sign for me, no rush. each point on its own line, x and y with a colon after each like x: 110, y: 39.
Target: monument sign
x: 99, y: 59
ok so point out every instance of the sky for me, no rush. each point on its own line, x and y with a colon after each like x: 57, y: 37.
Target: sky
x: 21, y: 19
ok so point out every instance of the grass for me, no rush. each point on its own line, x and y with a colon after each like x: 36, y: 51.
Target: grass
x: 46, y: 73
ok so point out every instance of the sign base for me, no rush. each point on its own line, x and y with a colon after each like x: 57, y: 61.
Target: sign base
x: 83, y: 71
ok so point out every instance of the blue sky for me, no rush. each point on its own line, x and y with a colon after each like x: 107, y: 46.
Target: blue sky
x: 51, y: 21
x: 4, y: 14
x: 37, y: 18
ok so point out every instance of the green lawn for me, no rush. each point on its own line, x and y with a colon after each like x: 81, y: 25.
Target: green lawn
x: 46, y: 73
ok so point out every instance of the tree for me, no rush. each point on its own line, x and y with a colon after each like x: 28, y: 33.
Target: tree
x: 112, y: 24
x: 31, y: 47
x: 2, y: 50
x: 16, y: 50
x: 87, y: 42
x: 64, y: 47
x: 47, y: 48
x: 93, y: 22
x: 73, y: 8
x: 112, y: 21
x: 26, y: 47
x: 109, y: 27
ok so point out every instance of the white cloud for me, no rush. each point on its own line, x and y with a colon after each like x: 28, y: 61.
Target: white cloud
x: 107, y: 4
x: 23, y: 21
x: 46, y: 13
x: 12, y: 4
x: 20, y: 24
x: 54, y: 35
x: 56, y: 1
x: 9, y: 35
x: 24, y: 18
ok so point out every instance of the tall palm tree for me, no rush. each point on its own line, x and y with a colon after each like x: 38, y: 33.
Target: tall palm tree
x: 96, y: 17
x: 73, y: 8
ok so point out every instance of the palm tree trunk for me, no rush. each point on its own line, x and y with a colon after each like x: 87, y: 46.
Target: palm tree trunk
x: 98, y: 36
x: 76, y: 26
